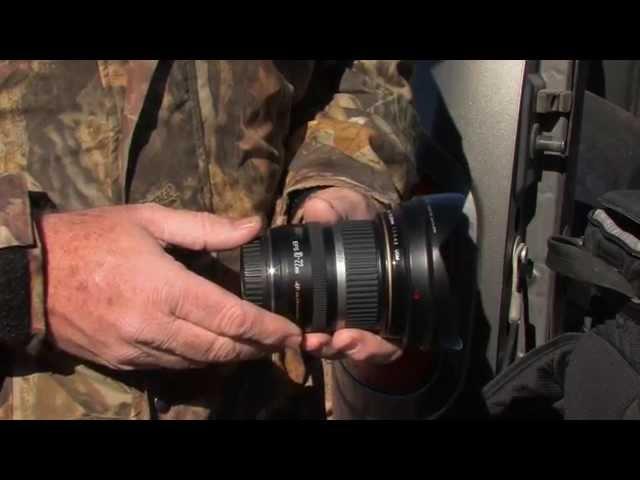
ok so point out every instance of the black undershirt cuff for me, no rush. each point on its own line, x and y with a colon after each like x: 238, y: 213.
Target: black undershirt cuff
x: 15, y: 297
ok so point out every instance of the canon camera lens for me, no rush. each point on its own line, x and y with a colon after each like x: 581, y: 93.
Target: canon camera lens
x: 389, y: 275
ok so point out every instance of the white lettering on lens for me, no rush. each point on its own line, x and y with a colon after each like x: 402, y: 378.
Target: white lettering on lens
x: 391, y: 219
x: 298, y: 258
x: 298, y: 289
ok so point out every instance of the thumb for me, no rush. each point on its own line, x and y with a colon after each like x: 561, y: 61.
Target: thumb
x: 196, y: 230
x: 317, y: 209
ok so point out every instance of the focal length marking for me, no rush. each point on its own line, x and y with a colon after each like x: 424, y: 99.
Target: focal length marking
x: 298, y: 257
x: 298, y: 265
x: 298, y: 290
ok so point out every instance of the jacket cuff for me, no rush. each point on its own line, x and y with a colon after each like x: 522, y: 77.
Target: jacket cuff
x: 326, y: 167
x: 23, y: 305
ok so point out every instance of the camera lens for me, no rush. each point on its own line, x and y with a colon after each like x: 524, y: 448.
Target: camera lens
x: 389, y: 275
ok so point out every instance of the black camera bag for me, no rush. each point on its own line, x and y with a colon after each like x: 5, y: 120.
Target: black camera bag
x: 593, y: 374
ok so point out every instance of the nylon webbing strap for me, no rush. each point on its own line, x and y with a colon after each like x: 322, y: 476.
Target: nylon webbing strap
x: 567, y: 257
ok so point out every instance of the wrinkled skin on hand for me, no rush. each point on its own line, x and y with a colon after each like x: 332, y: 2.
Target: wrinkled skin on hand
x: 330, y: 206
x: 115, y: 297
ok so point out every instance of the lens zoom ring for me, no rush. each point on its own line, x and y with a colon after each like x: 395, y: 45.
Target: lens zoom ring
x: 362, y: 275
x: 319, y: 274
x: 254, y: 273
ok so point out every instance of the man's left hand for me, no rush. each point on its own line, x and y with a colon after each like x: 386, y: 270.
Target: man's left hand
x: 329, y: 206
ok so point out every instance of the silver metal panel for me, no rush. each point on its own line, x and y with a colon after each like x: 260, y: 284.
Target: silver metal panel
x: 549, y: 211
x: 483, y: 100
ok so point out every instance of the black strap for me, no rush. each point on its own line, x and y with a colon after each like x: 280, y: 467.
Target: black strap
x: 567, y: 257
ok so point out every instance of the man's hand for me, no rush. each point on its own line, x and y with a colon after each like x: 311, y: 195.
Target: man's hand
x: 330, y: 206
x: 115, y: 297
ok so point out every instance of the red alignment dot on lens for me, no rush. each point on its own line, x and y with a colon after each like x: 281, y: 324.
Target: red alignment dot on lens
x: 417, y: 296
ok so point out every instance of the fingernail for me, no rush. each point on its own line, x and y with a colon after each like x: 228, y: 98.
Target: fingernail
x: 250, y: 222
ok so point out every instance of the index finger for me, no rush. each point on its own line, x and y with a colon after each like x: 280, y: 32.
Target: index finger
x: 213, y: 308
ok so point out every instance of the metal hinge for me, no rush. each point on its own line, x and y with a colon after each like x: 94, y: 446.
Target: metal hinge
x: 553, y: 142
x: 553, y: 109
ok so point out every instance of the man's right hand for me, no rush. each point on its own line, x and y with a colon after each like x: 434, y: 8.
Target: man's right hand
x: 115, y: 297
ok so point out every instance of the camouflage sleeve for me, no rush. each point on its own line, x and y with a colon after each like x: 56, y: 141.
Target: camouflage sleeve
x: 15, y: 212
x: 364, y: 139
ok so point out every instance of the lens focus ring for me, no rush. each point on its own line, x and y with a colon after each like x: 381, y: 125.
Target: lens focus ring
x: 254, y: 273
x: 363, y: 280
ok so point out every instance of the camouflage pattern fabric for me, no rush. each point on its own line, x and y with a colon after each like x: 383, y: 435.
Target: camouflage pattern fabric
x: 212, y: 135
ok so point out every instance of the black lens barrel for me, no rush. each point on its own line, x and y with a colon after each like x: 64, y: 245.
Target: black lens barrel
x: 322, y: 277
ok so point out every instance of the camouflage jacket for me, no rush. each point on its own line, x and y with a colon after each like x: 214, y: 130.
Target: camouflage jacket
x: 230, y: 137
